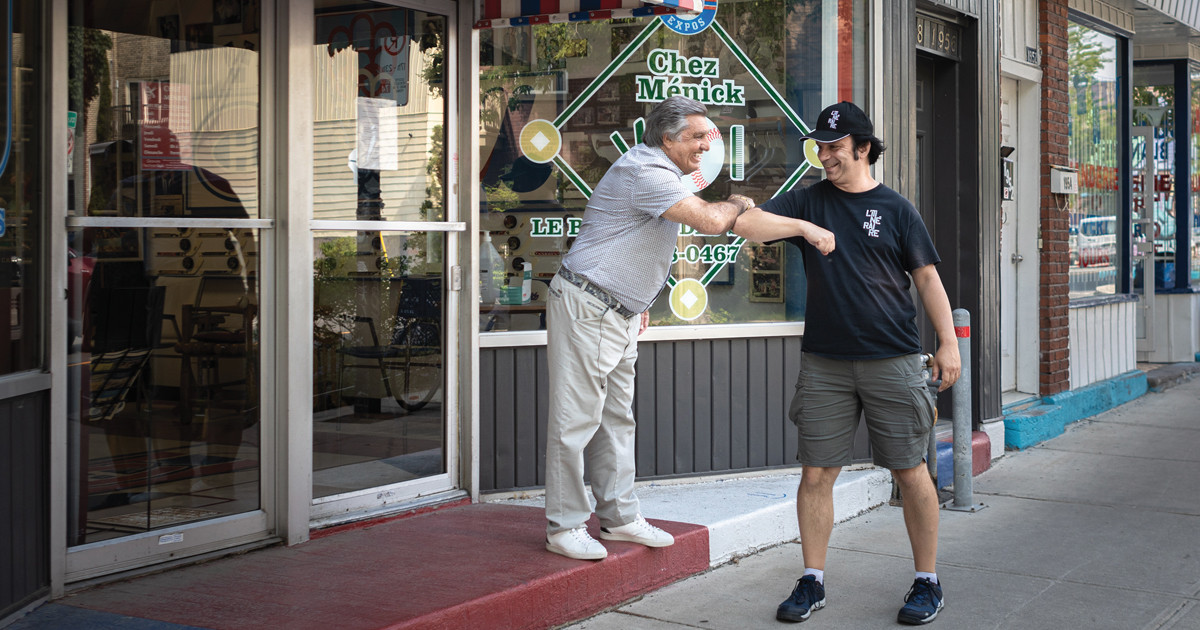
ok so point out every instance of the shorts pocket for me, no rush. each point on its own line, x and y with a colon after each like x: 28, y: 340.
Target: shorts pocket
x: 924, y: 404
x: 796, y: 409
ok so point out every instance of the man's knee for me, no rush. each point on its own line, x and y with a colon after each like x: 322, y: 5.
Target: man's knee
x: 819, y: 477
x: 915, y: 477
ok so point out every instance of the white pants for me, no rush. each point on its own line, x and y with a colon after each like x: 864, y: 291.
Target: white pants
x: 591, y: 353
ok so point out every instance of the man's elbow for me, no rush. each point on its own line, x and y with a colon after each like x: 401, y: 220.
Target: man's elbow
x: 716, y: 223
x: 726, y: 225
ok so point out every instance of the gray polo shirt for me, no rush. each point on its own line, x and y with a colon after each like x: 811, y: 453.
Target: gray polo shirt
x: 624, y: 245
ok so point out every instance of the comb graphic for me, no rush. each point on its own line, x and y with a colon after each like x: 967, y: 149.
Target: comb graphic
x: 737, y: 152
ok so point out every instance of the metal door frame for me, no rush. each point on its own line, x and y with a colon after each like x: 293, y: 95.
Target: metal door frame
x: 72, y: 564
x: 361, y: 503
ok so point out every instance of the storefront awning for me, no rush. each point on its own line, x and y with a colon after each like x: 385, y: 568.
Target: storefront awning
x: 504, y: 13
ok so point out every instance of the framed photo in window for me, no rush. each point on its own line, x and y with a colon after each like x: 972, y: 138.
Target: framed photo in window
x: 607, y: 114
x: 766, y: 273
x: 766, y: 258
x: 115, y: 244
x: 609, y: 92
x: 587, y: 116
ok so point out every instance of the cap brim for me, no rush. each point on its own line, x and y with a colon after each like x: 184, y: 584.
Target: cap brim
x: 824, y: 135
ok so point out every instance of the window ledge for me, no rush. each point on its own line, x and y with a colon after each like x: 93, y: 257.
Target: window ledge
x: 1103, y: 300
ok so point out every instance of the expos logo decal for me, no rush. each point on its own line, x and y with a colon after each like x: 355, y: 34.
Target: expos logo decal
x: 692, y: 23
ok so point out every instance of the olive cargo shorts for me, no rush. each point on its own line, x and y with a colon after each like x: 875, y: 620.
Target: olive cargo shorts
x: 831, y: 394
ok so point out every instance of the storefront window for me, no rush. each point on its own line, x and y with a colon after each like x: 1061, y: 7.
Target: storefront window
x: 1094, y: 149
x: 560, y: 102
x: 1154, y: 169
x: 163, y: 297
x: 1195, y: 176
x: 21, y: 227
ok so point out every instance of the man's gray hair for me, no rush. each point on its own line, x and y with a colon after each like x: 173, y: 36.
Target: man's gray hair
x: 669, y: 118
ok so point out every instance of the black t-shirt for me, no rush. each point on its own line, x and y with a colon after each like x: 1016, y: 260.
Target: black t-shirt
x: 859, y: 305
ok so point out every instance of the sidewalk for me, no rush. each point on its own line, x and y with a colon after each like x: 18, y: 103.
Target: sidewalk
x: 1098, y: 528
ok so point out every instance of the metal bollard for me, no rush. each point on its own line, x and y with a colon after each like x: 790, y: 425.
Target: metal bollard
x: 963, y: 482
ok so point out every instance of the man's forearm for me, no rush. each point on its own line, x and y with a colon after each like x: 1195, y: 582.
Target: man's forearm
x: 759, y: 226
x: 717, y: 217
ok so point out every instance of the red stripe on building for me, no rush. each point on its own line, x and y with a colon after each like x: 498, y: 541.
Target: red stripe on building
x: 845, y: 52
x: 492, y: 9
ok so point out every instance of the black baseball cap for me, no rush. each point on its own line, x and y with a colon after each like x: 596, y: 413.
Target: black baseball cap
x: 841, y: 120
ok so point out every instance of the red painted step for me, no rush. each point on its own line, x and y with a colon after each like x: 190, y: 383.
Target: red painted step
x: 476, y: 566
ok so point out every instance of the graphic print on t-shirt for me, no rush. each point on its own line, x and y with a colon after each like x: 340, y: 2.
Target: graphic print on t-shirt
x: 872, y: 222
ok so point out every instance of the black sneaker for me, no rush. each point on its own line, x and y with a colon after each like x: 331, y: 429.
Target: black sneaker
x: 922, y: 604
x: 809, y: 595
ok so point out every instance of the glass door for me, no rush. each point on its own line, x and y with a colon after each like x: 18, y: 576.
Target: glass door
x: 164, y: 233
x: 385, y: 232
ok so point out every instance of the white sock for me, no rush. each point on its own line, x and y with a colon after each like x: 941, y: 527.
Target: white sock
x: 932, y: 577
x: 818, y: 573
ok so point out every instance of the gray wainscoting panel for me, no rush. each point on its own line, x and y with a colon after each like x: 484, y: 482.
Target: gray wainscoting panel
x: 702, y: 406
x: 24, y: 501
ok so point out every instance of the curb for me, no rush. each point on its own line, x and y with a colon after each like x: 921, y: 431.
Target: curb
x: 1050, y: 417
x: 1168, y: 376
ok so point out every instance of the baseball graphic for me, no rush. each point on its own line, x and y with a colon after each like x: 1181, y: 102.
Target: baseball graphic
x: 710, y: 163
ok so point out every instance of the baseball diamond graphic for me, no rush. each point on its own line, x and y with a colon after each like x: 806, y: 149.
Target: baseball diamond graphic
x: 541, y: 142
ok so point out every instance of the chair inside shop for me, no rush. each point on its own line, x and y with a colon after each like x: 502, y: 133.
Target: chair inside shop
x: 218, y: 348
x: 409, y: 364
x: 126, y: 326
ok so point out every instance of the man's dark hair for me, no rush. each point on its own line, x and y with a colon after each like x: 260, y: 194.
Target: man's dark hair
x: 877, y: 147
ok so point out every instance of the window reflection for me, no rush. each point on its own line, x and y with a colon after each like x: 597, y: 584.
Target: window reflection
x: 379, y: 135
x: 588, y: 83
x: 378, y: 359
x: 163, y: 322
x: 1094, y: 148
x: 20, y: 197
x: 1194, y: 146
x: 163, y: 370
x: 1154, y: 171
x: 169, y: 126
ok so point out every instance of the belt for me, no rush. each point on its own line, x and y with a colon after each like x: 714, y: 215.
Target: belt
x: 592, y: 289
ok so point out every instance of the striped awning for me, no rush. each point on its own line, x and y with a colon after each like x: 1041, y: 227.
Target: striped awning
x: 504, y: 13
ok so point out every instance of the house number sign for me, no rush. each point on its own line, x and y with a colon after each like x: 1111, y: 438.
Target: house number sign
x: 940, y: 37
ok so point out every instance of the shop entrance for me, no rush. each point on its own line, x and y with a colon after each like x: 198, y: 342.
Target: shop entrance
x: 166, y: 427
x: 938, y: 175
x: 385, y: 246
x: 1018, y: 239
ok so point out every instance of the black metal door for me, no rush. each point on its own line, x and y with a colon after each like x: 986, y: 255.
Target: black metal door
x: 936, y: 198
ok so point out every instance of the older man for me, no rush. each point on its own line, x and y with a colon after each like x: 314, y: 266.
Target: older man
x: 596, y: 309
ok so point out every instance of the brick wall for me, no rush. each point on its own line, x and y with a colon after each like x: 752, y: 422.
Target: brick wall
x: 1055, y: 360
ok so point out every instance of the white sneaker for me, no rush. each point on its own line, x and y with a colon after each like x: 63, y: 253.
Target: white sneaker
x: 639, y: 532
x: 576, y: 543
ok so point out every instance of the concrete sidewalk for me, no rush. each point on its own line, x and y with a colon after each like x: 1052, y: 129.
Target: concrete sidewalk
x: 1098, y: 528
